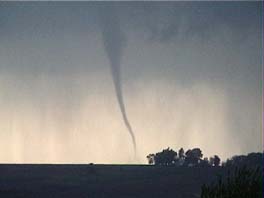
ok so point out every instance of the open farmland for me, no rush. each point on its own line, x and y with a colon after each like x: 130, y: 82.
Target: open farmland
x: 126, y: 181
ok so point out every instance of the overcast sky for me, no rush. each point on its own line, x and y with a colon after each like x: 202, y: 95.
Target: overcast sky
x: 190, y: 75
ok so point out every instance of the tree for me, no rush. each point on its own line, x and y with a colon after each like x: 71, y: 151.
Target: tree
x: 181, y: 153
x: 216, y: 160
x: 250, y: 160
x: 204, y: 162
x: 165, y: 157
x: 151, y: 158
x: 211, y: 161
x: 193, y: 157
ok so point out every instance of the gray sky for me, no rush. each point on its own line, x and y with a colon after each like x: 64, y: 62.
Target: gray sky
x: 190, y: 74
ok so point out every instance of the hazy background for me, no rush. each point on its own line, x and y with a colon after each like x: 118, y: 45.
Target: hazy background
x: 191, y: 77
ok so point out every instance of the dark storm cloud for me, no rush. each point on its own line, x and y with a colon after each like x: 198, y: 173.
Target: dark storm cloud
x: 170, y: 22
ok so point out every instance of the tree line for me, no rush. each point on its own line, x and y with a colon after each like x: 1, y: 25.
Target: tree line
x: 192, y: 157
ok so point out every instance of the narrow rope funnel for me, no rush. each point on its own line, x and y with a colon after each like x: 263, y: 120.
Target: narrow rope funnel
x: 114, y: 40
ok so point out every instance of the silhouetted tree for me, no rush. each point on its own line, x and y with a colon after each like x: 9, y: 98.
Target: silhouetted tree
x: 216, y: 160
x: 193, y: 157
x: 204, y: 162
x: 166, y: 157
x: 211, y: 161
x: 181, y: 153
x: 250, y: 160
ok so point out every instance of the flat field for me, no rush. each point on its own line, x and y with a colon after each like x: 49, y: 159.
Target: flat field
x: 103, y: 181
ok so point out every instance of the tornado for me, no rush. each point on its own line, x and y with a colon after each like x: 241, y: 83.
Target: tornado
x: 114, y: 41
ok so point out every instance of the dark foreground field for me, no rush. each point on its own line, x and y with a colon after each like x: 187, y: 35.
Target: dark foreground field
x: 98, y: 181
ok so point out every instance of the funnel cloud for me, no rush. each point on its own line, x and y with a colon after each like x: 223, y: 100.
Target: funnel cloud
x: 114, y: 41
